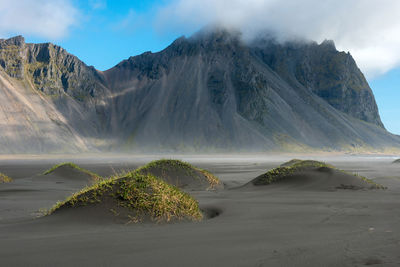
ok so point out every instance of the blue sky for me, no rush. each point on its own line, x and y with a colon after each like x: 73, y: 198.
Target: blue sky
x: 104, y: 32
x: 110, y: 31
x: 387, y: 94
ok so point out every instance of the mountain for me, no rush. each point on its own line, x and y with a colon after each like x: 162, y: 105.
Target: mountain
x: 331, y: 75
x: 209, y: 92
x: 50, y: 100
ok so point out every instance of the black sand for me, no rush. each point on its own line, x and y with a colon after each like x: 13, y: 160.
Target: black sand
x: 281, y: 225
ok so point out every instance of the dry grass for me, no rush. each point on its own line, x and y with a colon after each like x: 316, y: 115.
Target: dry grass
x: 295, y: 165
x: 5, y: 179
x: 166, y: 165
x: 211, y: 178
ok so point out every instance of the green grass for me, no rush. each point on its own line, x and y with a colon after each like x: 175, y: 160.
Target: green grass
x: 143, y: 195
x: 396, y: 161
x: 168, y: 164
x: 296, y: 165
x: 93, y: 175
x: 165, y: 165
x: 5, y: 179
x: 372, y: 183
x: 291, y: 162
x: 287, y: 169
x: 212, y: 179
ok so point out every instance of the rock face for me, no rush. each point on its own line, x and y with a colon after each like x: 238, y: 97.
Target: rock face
x: 50, y: 100
x: 209, y: 92
x: 52, y: 70
x: 332, y: 75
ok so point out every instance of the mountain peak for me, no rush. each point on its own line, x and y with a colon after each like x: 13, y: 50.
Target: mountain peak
x: 329, y: 44
x: 18, y: 40
x: 216, y: 34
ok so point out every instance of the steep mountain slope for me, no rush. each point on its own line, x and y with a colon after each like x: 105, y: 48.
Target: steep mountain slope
x: 31, y: 124
x: 209, y: 92
x: 214, y: 91
x: 50, y: 100
x: 332, y: 75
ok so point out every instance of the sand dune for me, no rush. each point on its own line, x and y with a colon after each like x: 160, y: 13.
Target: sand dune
x: 71, y: 171
x: 148, y: 194
x: 182, y: 175
x: 312, y: 175
x: 134, y: 198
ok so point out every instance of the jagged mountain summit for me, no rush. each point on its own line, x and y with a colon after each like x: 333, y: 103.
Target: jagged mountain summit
x: 209, y: 92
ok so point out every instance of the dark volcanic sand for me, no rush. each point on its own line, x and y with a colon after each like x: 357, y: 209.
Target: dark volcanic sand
x: 260, y: 226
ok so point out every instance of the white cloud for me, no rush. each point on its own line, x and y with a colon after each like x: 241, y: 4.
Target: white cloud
x: 45, y: 18
x: 369, y: 29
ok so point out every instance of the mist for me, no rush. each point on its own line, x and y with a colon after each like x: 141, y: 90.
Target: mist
x: 368, y: 29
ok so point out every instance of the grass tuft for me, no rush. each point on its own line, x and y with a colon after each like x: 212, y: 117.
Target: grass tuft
x: 5, y: 179
x: 211, y: 178
x: 166, y: 165
x: 296, y: 165
x: 287, y: 169
x: 291, y: 162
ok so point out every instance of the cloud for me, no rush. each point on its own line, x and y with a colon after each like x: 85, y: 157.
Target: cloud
x: 44, y: 18
x: 369, y: 29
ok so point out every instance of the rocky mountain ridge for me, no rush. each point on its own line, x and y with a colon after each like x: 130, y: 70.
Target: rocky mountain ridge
x: 209, y: 92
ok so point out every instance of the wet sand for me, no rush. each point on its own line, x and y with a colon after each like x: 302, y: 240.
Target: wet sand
x: 277, y: 225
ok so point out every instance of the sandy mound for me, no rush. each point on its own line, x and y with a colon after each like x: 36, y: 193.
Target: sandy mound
x: 71, y: 171
x: 182, y: 175
x: 4, y: 179
x: 313, y: 175
x: 397, y: 161
x: 132, y: 198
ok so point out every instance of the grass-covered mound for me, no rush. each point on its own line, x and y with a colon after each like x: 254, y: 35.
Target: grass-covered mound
x: 4, y: 178
x: 135, y: 197
x: 397, y: 161
x: 314, y: 175
x: 290, y: 162
x: 181, y: 174
x: 71, y: 170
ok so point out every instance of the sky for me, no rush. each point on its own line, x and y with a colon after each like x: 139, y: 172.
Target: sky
x: 104, y: 32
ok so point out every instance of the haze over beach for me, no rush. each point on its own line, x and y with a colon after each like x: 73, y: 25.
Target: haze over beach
x: 199, y: 133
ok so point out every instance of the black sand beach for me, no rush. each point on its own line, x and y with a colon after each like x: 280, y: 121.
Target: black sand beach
x: 275, y: 225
